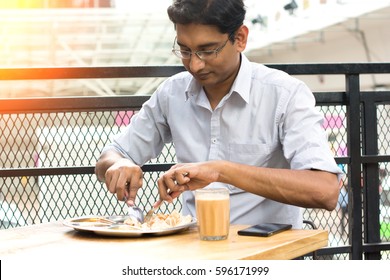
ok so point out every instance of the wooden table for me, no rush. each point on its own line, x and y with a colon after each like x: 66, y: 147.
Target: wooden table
x: 51, y: 238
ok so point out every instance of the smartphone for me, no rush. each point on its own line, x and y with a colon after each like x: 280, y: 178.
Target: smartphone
x: 265, y: 229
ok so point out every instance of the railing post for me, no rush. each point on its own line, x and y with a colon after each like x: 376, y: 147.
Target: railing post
x: 371, y: 176
x: 354, y: 174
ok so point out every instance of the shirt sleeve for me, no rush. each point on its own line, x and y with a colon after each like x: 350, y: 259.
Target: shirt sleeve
x: 144, y: 138
x: 305, y: 141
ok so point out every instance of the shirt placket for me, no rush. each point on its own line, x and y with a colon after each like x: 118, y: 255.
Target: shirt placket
x: 215, y: 135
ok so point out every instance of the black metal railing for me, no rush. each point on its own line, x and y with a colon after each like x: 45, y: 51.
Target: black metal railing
x: 49, y: 147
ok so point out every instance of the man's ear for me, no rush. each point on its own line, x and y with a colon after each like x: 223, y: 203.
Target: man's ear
x: 241, y: 38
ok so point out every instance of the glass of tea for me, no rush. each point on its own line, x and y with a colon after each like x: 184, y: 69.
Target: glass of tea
x: 213, y: 213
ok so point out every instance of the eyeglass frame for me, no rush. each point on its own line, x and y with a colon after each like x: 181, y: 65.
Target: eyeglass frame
x: 178, y: 52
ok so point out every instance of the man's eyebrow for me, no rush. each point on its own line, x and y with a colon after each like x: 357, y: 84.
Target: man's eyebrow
x: 210, y: 44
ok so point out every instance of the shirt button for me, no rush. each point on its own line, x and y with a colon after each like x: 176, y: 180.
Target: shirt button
x: 214, y: 140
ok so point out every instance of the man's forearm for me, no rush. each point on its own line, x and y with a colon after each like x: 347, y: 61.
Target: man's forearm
x: 306, y: 188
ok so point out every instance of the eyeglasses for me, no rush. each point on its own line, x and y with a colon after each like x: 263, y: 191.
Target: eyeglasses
x: 203, y: 55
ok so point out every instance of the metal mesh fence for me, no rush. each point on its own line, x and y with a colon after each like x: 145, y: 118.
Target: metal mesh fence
x: 63, y: 140
x: 383, y: 124
x: 336, y: 221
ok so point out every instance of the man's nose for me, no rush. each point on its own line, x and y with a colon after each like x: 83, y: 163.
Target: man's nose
x: 195, y: 63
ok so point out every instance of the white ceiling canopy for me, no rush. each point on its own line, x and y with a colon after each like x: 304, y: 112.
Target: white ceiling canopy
x: 141, y: 34
x: 279, y: 25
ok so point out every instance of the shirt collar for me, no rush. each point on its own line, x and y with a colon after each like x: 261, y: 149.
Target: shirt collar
x: 193, y: 88
x: 241, y: 84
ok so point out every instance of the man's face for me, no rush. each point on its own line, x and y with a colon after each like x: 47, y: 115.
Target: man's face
x: 213, y: 71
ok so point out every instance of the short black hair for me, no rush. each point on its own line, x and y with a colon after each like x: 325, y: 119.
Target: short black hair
x: 226, y: 15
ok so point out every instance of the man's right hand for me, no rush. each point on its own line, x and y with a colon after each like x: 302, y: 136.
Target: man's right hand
x: 122, y: 176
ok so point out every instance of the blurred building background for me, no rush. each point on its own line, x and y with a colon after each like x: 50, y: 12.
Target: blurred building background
x: 50, y: 33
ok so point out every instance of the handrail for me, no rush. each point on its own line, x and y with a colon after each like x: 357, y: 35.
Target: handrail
x: 89, y: 72
x: 39, y: 171
x: 71, y: 104
x: 94, y: 72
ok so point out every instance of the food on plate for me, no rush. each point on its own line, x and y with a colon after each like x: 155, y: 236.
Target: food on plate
x: 161, y: 221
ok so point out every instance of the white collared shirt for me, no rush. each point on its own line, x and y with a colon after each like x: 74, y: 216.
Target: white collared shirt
x: 267, y: 119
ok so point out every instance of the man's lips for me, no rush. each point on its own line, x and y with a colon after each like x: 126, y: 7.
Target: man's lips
x: 202, y: 76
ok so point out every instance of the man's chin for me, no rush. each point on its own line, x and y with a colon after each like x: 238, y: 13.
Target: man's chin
x: 204, y: 80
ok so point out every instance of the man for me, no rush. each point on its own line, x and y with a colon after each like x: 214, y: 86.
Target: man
x: 233, y: 123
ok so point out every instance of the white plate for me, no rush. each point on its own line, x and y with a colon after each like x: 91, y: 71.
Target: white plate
x: 93, y: 224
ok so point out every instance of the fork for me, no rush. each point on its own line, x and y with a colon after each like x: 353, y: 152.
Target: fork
x: 156, y: 205
x: 151, y: 211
